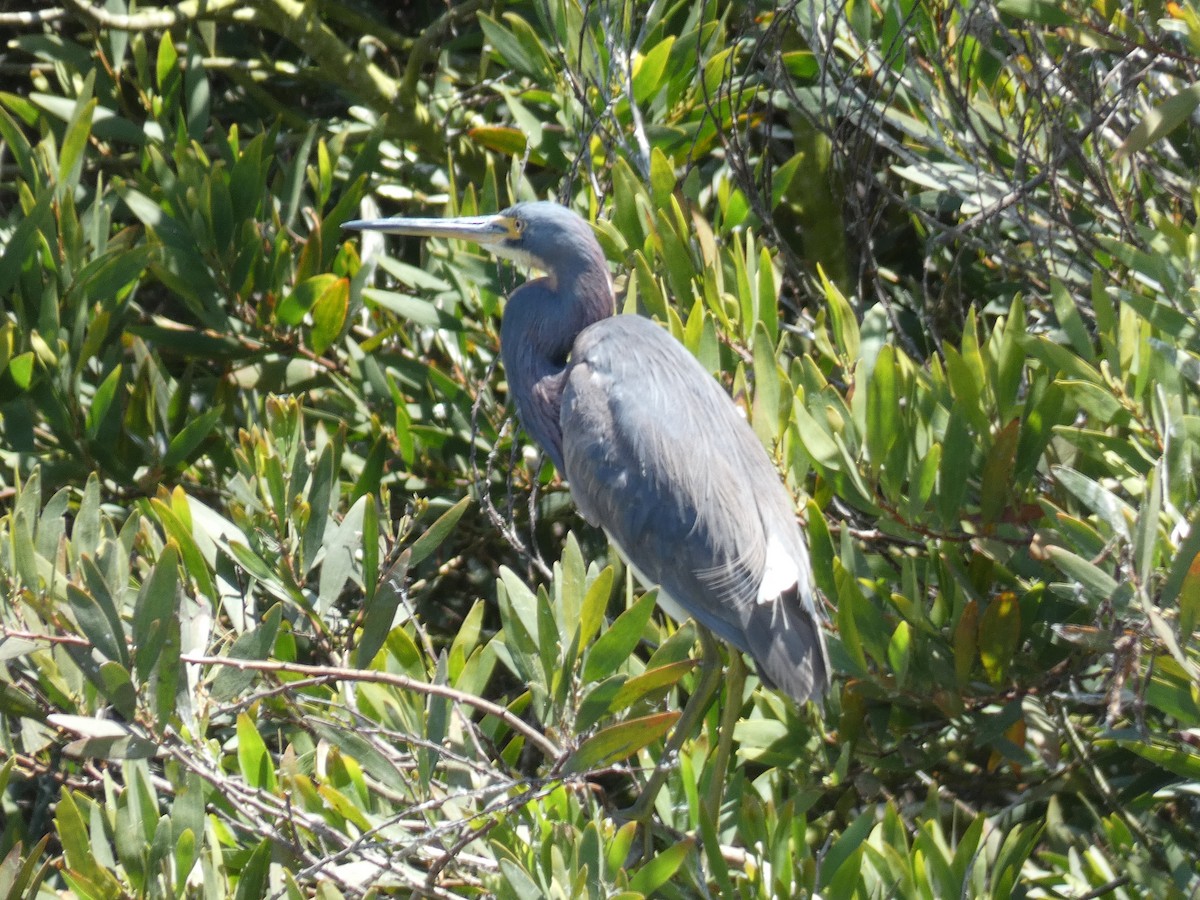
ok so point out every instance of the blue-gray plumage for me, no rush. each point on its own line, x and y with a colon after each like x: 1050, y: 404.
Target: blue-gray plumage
x: 654, y: 450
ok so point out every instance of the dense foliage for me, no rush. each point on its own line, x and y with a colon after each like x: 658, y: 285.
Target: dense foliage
x: 291, y: 607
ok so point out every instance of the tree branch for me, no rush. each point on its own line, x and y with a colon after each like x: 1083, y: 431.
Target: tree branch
x: 162, y: 18
x: 32, y: 17
x: 531, y: 734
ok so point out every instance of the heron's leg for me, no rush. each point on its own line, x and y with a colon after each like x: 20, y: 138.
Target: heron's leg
x: 692, y: 715
x: 736, y: 680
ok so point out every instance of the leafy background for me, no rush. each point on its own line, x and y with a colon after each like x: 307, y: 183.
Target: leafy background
x: 291, y: 607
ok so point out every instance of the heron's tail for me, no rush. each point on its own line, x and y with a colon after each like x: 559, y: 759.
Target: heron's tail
x: 789, y: 646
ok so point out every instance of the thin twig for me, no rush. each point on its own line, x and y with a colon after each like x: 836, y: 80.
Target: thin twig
x: 535, y: 737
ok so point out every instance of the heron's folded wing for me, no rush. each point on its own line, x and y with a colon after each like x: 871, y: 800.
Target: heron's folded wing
x: 659, y: 455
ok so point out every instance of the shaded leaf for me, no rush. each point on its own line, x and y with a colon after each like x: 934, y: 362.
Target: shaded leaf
x: 999, y: 635
x: 1160, y: 121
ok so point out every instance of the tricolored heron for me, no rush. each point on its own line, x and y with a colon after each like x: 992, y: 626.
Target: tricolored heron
x: 654, y: 450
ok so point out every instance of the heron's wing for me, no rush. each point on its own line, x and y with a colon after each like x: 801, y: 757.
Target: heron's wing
x: 659, y: 456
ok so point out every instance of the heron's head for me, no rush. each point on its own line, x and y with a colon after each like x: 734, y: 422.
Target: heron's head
x: 539, y: 235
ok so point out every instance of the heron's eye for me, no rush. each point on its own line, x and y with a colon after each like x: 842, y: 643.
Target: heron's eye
x: 519, y: 226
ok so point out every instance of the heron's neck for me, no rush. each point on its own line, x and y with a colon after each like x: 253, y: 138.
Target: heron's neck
x: 590, y: 291
x: 541, y: 321
x: 535, y: 346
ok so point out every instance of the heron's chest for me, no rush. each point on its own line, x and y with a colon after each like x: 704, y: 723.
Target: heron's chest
x: 592, y: 436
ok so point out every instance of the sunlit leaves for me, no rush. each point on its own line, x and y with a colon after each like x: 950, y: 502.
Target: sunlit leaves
x: 1001, y: 492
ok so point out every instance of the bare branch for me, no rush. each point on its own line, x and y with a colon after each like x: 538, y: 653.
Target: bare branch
x: 32, y: 17
x: 535, y: 737
x: 162, y: 18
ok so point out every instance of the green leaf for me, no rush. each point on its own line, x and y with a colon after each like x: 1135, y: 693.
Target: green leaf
x: 191, y: 436
x: 1182, y: 586
x: 518, y: 47
x: 999, y: 635
x: 20, y: 369
x: 802, y: 65
x: 768, y: 297
x: 519, y: 883
x: 1160, y: 121
x: 418, y: 310
x: 650, y: 682
x: 1104, y: 503
x: 966, y: 385
x: 1071, y: 321
x: 1145, y: 530
x: 72, y: 833
x: 437, y: 533
x: 17, y: 143
x: 363, y: 752
x: 1017, y: 848
x: 852, y: 606
x: 380, y: 611
x: 319, y: 493
x: 166, y: 63
x: 254, y: 761
x: 117, y: 687
x: 106, y: 278
x: 254, y: 878
x: 103, y: 739
x: 662, y: 177
x: 196, y: 92
x: 900, y: 653
x: 1044, y: 12
x: 614, y: 647
x: 157, y: 602
x: 13, y: 700
x: 329, y: 315
x: 569, y: 576
x: 466, y: 640
x: 619, y: 845
x: 648, y: 70
x: 618, y: 742
x: 21, y: 874
x: 767, y: 389
x: 595, y: 602
x: 966, y: 642
x: 597, y: 702
x: 965, y: 852
x: 295, y: 306
x: 254, y: 564
x: 255, y: 644
x: 20, y: 243
x: 102, y: 401
x: 843, y: 849
x: 662, y: 868
x: 815, y: 438
x: 1176, y: 758
x: 996, y: 487
x: 193, y: 559
x: 70, y: 160
x: 883, y: 406
x: 98, y: 622
x: 502, y: 139
x: 519, y: 617
x: 842, y: 320
x: 341, y: 560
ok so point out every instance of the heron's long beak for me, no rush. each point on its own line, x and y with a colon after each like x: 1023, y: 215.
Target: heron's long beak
x: 480, y: 229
